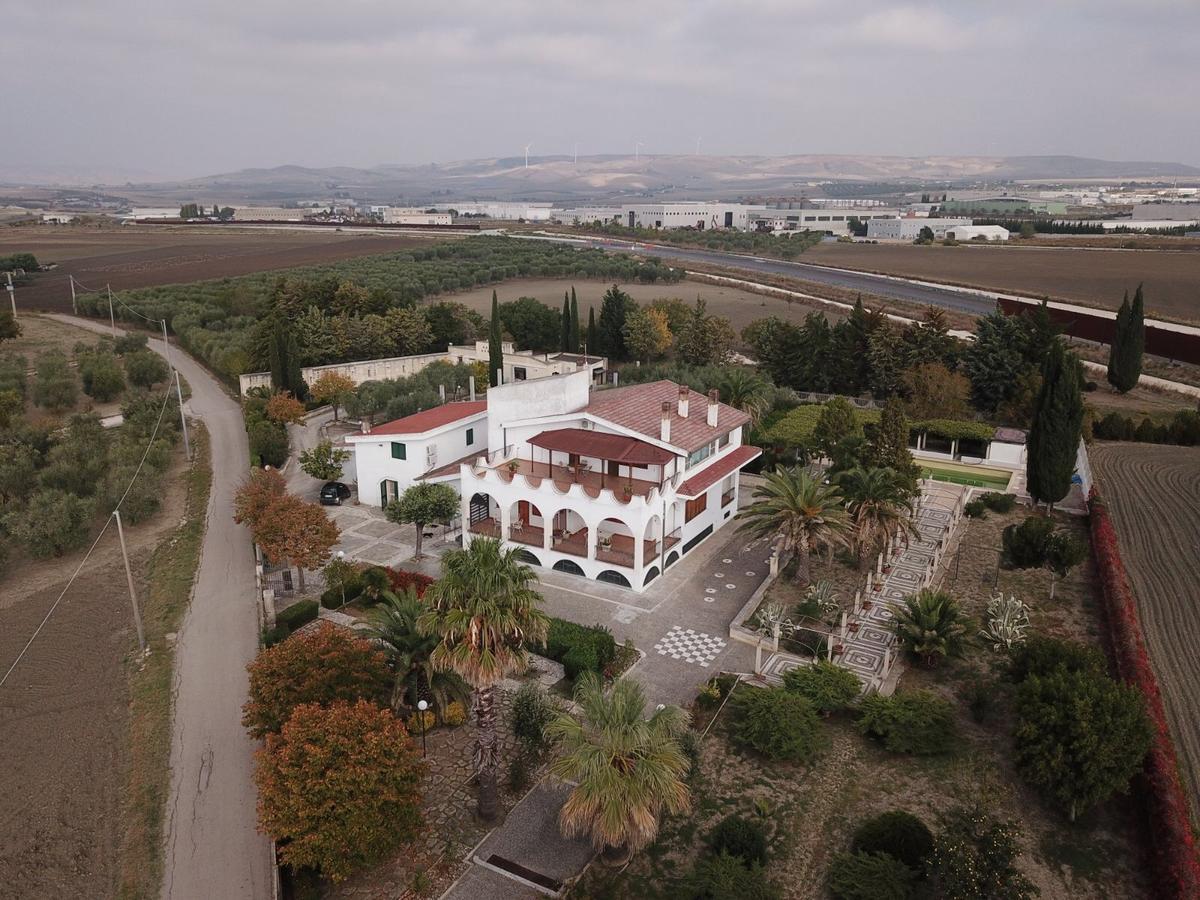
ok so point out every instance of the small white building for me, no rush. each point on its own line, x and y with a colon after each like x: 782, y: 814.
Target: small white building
x: 977, y: 232
x: 908, y: 228
x: 395, y: 215
x: 426, y: 446
x: 269, y: 214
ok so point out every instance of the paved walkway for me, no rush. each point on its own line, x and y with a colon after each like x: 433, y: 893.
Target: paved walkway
x: 870, y: 650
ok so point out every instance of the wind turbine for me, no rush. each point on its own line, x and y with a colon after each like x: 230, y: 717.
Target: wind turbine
x: 637, y: 151
x: 575, y: 158
x: 697, y: 146
x: 527, y: 146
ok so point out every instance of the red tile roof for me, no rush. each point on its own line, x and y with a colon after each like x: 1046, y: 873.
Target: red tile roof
x: 639, y: 408
x: 429, y: 419
x: 601, y: 444
x: 731, y: 462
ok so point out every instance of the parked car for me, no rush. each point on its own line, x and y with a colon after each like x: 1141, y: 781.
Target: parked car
x: 333, y: 493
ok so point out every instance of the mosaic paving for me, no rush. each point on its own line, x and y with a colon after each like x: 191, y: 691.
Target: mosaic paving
x: 690, y: 646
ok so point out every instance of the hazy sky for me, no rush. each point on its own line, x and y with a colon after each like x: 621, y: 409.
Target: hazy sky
x: 173, y: 88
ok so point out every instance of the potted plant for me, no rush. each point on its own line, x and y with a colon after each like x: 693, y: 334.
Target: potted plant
x: 512, y: 465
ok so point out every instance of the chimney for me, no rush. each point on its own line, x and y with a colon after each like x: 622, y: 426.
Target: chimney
x: 664, y: 433
x: 365, y: 425
x: 471, y: 387
x: 683, y: 401
x: 713, y: 407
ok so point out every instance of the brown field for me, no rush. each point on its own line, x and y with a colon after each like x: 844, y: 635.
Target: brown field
x: 739, y: 306
x: 1153, y: 493
x: 133, y: 256
x: 1091, y: 277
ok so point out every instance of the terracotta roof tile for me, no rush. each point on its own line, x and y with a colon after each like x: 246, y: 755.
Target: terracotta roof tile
x: 638, y: 407
x: 731, y: 462
x: 429, y: 419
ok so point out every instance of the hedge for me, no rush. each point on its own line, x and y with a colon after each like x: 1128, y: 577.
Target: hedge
x: 579, y: 648
x: 297, y: 615
x: 1171, y: 842
x: 796, y: 427
x: 402, y: 580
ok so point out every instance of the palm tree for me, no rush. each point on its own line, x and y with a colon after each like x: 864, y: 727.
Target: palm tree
x: 744, y: 390
x: 930, y: 625
x: 393, y: 623
x: 626, y: 768
x: 879, y: 502
x: 483, y: 611
x: 801, y: 511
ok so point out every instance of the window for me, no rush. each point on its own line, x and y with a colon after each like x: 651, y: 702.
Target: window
x: 698, y: 455
x: 470, y: 436
x: 724, y: 441
x: 518, y: 373
x: 399, y: 451
x: 695, y: 507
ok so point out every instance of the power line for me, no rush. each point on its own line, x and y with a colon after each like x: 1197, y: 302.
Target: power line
x: 37, y: 631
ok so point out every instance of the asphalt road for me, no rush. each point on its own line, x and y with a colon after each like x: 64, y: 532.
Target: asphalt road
x: 213, y: 848
x: 957, y: 299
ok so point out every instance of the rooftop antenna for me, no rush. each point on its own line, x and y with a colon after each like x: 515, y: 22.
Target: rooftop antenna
x: 637, y: 151
x: 527, y: 146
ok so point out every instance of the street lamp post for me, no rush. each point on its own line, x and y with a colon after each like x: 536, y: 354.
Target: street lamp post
x: 422, y: 705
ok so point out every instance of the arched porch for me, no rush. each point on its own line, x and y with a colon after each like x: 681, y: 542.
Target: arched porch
x: 483, y: 515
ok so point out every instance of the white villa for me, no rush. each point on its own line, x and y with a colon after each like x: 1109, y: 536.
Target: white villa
x: 614, y: 485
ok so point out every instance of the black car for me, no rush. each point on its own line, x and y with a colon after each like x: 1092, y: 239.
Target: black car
x: 333, y: 493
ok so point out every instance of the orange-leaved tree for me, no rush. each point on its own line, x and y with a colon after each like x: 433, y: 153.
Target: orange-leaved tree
x: 285, y: 409
x: 297, y: 531
x: 332, y: 388
x: 324, y: 666
x: 257, y: 493
x: 339, y: 788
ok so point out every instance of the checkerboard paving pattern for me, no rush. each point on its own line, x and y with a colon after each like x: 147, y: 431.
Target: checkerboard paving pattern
x: 690, y: 646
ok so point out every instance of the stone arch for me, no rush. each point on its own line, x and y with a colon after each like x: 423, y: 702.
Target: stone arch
x: 526, y: 557
x: 566, y: 565
x: 483, y: 515
x: 570, y: 532
x: 615, y: 542
x: 526, y: 524
x: 651, y: 575
x: 672, y: 558
x: 613, y: 577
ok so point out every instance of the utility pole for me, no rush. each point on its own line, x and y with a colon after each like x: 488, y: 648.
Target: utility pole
x: 137, y: 616
x: 187, y: 447
x: 74, y: 307
x: 12, y: 295
x: 112, y: 322
x: 167, y: 345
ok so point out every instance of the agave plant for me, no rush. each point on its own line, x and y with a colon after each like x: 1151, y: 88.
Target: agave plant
x: 930, y: 625
x: 1008, y: 620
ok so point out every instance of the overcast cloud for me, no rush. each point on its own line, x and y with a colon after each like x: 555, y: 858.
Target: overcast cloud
x: 180, y: 89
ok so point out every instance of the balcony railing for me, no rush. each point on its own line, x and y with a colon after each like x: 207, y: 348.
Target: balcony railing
x: 615, y: 556
x: 574, y: 544
x: 488, y: 527
x: 533, y: 535
x: 727, y: 497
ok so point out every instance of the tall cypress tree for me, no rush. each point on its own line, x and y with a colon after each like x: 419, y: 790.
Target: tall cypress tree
x: 566, y: 324
x: 888, y: 446
x: 574, y: 327
x: 1129, y: 342
x: 591, y: 332
x: 495, y: 349
x: 1057, y: 424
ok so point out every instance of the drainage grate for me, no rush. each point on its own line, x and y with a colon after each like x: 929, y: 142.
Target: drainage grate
x: 521, y: 872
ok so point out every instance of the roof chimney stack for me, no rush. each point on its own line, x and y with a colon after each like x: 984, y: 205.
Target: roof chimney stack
x: 683, y: 401
x: 365, y: 425
x: 713, y: 407
x: 664, y: 433
x: 471, y: 387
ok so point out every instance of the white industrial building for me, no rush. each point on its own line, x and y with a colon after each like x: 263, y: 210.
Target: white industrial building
x: 714, y: 215
x: 976, y: 232
x: 832, y: 220
x: 613, y: 485
x: 908, y: 228
x: 397, y: 215
x: 269, y: 214
x: 530, y: 212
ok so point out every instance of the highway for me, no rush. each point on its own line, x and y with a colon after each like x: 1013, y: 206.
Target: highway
x: 961, y: 300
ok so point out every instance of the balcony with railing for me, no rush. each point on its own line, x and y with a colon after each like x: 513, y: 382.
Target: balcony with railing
x: 488, y: 527
x: 523, y: 533
x: 573, y: 542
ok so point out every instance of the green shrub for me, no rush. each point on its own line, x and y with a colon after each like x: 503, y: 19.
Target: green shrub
x: 54, y: 387
x: 579, y: 648
x: 777, y: 723
x: 980, y: 697
x: 997, y: 502
x: 531, y: 713
x: 13, y: 374
x: 101, y: 375
x: 1040, y: 655
x: 897, y: 833
x: 1025, y: 545
x: 297, y: 615
x: 272, y: 636
x: 976, y: 509
x: 371, y: 583
x: 917, y: 722
x: 828, y: 686
x: 870, y: 876
x: 690, y: 744
x: 725, y: 877
x: 268, y: 444
x: 973, y: 857
x: 130, y: 342
x: 145, y: 368
x: 744, y: 838
x: 1064, y: 552
x: 52, y: 522
x: 581, y: 658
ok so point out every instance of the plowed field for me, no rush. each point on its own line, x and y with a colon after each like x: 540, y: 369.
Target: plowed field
x: 1153, y: 493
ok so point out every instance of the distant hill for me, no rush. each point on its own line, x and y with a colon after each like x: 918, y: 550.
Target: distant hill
x: 557, y: 178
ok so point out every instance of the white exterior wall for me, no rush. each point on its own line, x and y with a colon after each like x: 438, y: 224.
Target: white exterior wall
x: 373, y: 461
x: 835, y: 220
x: 1002, y: 454
x: 520, y: 400
x: 910, y: 228
x: 970, y: 232
x: 395, y: 216
x: 269, y: 214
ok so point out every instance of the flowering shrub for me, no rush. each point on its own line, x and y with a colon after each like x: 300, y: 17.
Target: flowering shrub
x: 1176, y: 866
x: 401, y: 579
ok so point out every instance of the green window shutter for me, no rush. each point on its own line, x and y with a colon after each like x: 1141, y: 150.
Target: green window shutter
x: 470, y: 436
x: 398, y: 451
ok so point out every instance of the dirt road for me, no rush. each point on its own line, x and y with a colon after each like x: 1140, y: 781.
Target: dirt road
x: 213, y: 849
